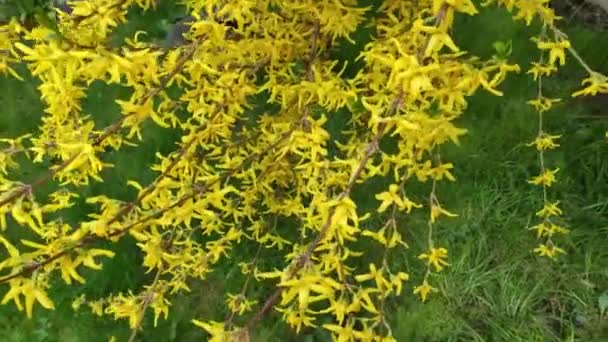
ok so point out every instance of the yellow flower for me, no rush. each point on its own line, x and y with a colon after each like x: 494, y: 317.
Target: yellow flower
x: 539, y: 69
x: 297, y: 318
x: 344, y: 334
x: 441, y: 171
x: 128, y: 306
x: 239, y: 303
x: 96, y: 307
x: 437, y: 211
x: 543, y: 104
x: 550, y: 251
x: 598, y: 83
x: 392, y: 196
x: 377, y: 275
x: 155, y: 255
x: 438, y: 41
x: 527, y: 10
x: 556, y: 50
x: 435, y: 257
x: 32, y: 290
x: 545, y: 142
x: 397, y: 281
x: 546, y: 178
x: 215, y: 329
x: 388, y: 197
x: 305, y: 288
x: 548, y: 229
x: 549, y: 209
x: 363, y: 299
x: 339, y: 309
x: 424, y: 290
x: 77, y: 303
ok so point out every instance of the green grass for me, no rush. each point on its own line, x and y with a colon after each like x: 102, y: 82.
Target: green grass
x: 495, y: 288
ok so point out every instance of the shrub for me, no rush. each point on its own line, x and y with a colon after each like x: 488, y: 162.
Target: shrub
x: 250, y: 89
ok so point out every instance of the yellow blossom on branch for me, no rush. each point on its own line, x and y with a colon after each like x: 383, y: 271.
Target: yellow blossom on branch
x: 32, y: 291
x: 556, y: 50
x: 547, y: 178
x: 545, y: 142
x: 541, y: 70
x: 391, y: 197
x: 547, y: 250
x: 437, y: 210
x: 424, y: 289
x: 594, y: 84
x: 435, y: 257
x: 543, y: 104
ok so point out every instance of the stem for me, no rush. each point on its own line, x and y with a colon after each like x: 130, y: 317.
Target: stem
x: 147, y: 301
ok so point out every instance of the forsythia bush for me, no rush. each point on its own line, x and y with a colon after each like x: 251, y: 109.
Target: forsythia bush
x: 234, y: 174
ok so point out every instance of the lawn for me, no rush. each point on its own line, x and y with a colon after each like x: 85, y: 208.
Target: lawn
x: 495, y: 289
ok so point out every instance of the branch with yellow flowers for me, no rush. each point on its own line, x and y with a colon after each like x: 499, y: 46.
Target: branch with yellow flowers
x: 148, y: 297
x: 303, y: 259
x: 371, y: 149
x: 107, y: 132
x: 90, y: 238
x: 543, y: 142
x: 595, y: 82
x: 391, y: 238
x: 302, y: 120
x: 199, y: 189
x: 240, y: 301
x: 434, y: 257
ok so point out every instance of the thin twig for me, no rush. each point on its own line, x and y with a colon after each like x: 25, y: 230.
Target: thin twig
x: 149, y: 296
x: 243, y: 292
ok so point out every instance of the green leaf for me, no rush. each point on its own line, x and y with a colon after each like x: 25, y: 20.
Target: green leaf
x: 503, y: 49
x: 26, y: 6
x: 602, y: 302
x: 8, y: 11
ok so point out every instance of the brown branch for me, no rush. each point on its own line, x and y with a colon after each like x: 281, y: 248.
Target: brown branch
x: 313, y: 52
x: 440, y: 17
x: 228, y: 321
x: 149, y: 296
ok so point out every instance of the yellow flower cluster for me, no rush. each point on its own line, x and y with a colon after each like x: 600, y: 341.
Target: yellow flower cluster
x: 555, y: 45
x: 234, y: 174
x: 9, y: 34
